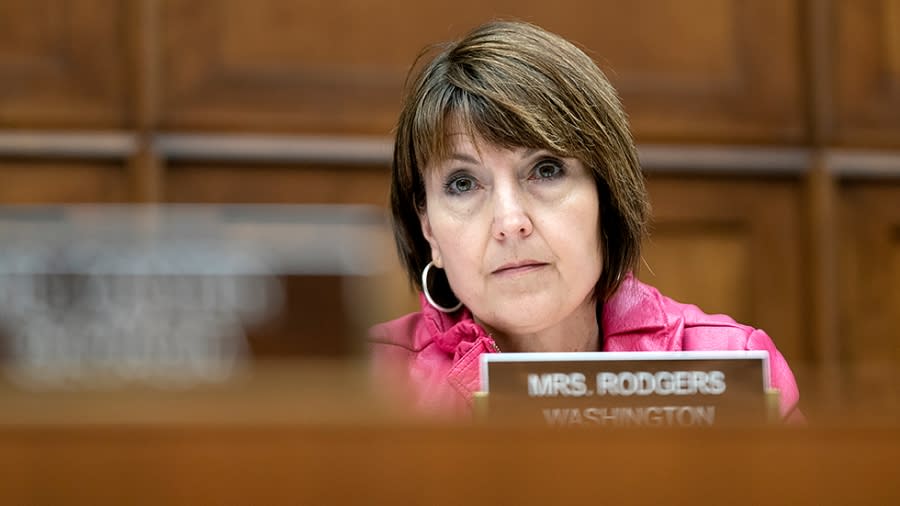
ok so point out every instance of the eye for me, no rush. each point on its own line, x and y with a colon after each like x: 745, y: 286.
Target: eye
x: 459, y: 184
x: 547, y: 169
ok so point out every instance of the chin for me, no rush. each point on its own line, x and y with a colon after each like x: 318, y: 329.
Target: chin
x: 522, y: 320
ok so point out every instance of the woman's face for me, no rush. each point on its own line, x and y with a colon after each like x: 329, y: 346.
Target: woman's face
x: 516, y: 231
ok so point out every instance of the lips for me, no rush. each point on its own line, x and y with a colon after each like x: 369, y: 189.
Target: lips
x: 519, y: 267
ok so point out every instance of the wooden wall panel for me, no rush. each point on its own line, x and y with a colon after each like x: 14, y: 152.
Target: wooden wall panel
x: 277, y: 184
x: 279, y: 65
x: 63, y: 64
x: 868, y: 73
x: 703, y: 71
x: 708, y: 262
x: 871, y: 272
x: 36, y: 182
x: 870, y: 294
x: 297, y: 66
x: 731, y: 246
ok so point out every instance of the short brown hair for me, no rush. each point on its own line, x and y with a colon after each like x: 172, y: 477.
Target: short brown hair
x: 514, y: 84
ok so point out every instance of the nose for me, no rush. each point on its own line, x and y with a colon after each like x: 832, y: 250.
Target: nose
x: 511, y: 216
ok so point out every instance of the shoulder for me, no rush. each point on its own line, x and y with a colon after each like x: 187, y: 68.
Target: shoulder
x: 403, y: 335
x: 412, y: 332
x: 393, y: 347
x: 412, y: 358
x: 639, y: 315
x: 639, y: 318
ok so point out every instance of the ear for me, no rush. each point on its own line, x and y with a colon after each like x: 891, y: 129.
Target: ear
x: 429, y: 236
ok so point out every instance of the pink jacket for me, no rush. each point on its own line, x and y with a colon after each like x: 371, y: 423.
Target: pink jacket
x: 435, y: 355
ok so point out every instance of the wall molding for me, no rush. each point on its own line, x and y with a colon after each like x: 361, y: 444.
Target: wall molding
x: 377, y: 151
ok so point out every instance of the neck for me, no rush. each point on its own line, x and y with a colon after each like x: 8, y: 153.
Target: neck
x: 578, y: 332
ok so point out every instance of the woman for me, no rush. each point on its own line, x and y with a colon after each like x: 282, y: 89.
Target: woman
x: 519, y: 208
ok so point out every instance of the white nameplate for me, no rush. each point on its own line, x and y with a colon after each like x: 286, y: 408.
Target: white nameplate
x: 621, y: 389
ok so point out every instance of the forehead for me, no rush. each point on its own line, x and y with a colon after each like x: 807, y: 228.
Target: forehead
x: 458, y: 141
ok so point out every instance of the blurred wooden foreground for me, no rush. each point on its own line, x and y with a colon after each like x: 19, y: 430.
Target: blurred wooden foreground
x: 363, y: 463
x: 319, y: 433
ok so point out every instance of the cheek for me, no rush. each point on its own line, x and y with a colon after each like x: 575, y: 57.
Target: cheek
x: 581, y: 238
x: 455, y: 241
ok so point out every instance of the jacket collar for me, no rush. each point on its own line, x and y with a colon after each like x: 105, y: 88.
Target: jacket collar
x: 457, y: 335
x: 634, y: 313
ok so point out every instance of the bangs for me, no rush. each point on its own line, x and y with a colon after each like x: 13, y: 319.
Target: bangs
x: 507, y: 121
